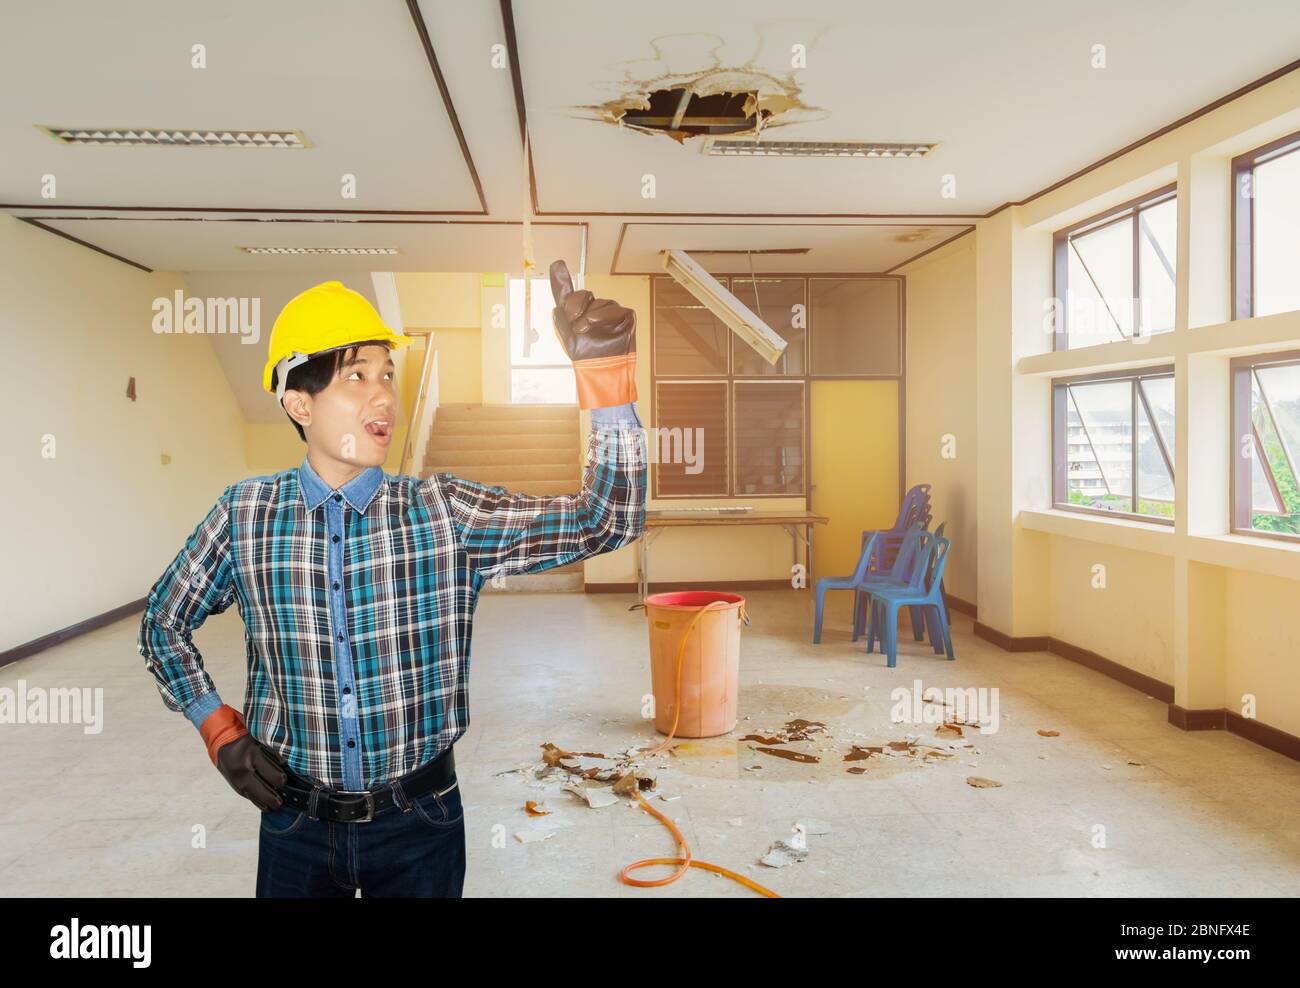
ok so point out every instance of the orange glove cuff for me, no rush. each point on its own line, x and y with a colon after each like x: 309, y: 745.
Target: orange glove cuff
x: 220, y: 727
x: 606, y: 381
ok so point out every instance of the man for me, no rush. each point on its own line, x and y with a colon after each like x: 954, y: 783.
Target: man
x: 358, y: 590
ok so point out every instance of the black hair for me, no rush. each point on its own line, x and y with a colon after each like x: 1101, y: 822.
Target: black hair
x: 317, y: 374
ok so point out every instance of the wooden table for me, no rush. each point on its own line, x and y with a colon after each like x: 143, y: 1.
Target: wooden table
x: 798, y: 523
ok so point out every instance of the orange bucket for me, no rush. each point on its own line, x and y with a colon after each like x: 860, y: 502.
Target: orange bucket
x: 710, y: 660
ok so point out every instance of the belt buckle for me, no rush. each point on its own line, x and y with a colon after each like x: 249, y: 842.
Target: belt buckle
x: 370, y: 804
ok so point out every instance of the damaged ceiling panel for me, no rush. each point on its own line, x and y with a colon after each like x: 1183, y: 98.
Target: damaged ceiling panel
x: 735, y: 102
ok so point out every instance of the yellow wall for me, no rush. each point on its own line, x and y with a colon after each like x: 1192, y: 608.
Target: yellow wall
x: 460, y: 364
x: 93, y: 527
x: 855, y: 470
x: 272, y: 447
x: 432, y: 299
x: 942, y: 410
x: 1262, y: 647
x: 1124, y: 611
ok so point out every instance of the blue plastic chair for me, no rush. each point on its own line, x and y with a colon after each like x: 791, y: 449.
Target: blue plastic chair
x: 922, y: 619
x: 914, y: 513
x: 893, y: 575
x: 865, y: 581
x: 850, y: 582
x: 924, y: 591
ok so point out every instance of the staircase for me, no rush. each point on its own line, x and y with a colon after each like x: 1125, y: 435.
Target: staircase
x: 533, y: 449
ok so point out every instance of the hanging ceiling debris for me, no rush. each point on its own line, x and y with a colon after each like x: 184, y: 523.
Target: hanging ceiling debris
x: 740, y: 102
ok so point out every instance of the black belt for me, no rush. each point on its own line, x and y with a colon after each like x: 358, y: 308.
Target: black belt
x: 345, y: 806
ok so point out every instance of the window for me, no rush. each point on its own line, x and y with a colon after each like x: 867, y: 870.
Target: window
x: 1114, y: 274
x: 1266, y: 229
x: 728, y: 423
x: 1113, y: 443
x: 540, y: 370
x: 1266, y: 431
x: 857, y: 327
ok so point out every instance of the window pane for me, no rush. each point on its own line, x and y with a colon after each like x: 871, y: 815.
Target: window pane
x: 1280, y: 387
x: 691, y: 437
x: 1275, y: 414
x: 543, y: 346
x: 1157, y: 263
x: 687, y: 337
x: 854, y: 325
x: 1100, y: 292
x: 769, y: 438
x: 780, y: 304
x: 543, y: 385
x: 1100, y: 439
x: 1262, y: 498
x: 1159, y: 393
x: 1277, y: 235
x: 1155, y: 484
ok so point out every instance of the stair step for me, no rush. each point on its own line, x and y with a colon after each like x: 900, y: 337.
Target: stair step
x: 504, y: 426
x: 537, y: 413
x: 439, y: 442
x: 539, y: 488
x: 506, y: 474
x: 451, y: 459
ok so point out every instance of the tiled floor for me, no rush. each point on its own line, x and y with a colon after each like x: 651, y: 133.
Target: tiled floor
x: 120, y: 812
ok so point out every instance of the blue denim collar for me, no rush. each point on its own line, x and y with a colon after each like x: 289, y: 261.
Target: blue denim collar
x: 358, y: 491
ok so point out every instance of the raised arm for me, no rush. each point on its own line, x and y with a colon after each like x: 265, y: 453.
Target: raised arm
x: 510, y: 533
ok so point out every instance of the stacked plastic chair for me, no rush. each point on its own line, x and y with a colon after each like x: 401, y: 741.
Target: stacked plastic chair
x: 914, y: 513
x: 922, y: 592
x: 878, y: 561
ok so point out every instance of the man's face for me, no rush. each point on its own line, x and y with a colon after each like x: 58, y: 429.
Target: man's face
x: 352, y: 420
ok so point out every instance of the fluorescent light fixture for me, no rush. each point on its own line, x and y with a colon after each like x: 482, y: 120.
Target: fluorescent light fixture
x: 154, y: 137
x: 741, y: 147
x: 732, y: 311
x: 320, y: 250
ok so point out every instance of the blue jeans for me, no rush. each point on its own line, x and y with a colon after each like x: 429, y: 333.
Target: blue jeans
x: 419, y: 853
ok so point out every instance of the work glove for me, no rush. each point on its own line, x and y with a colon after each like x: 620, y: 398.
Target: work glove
x: 599, y: 335
x: 252, y: 769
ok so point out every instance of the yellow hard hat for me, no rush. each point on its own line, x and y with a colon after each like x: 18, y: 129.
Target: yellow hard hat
x: 325, y: 317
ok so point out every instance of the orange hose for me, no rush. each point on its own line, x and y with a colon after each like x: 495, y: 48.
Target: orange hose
x: 682, y: 863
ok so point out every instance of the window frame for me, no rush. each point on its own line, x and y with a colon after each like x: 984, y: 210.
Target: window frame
x: 513, y: 366
x: 733, y: 467
x: 806, y: 378
x: 1061, y: 259
x: 1240, y: 481
x: 810, y: 332
x: 1243, y: 220
x: 1060, y: 436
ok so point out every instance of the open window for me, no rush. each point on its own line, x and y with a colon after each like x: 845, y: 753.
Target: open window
x: 1113, y: 444
x: 1266, y: 447
x: 1266, y: 229
x: 1114, y: 274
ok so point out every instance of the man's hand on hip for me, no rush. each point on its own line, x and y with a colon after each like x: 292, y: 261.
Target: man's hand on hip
x: 251, y: 768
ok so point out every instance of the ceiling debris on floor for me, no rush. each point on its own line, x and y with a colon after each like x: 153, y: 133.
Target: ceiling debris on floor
x: 783, y: 853
x: 597, y: 780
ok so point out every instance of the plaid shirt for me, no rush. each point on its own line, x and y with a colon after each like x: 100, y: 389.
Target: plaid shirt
x: 358, y: 604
